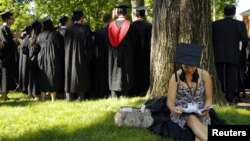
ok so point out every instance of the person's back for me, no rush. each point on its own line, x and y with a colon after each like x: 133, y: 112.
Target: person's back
x: 65, y: 23
x: 142, y: 62
x: 50, y: 60
x: 78, y: 43
x: 121, y: 44
x: 101, y: 88
x: 227, y: 34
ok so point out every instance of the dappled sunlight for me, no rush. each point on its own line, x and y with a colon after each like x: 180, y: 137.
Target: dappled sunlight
x: 233, y: 115
x: 64, y: 121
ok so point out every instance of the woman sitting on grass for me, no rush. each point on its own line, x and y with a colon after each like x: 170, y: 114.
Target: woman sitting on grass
x: 191, y: 88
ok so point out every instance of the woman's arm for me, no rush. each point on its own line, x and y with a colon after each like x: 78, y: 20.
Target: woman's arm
x: 172, y: 96
x: 208, y: 91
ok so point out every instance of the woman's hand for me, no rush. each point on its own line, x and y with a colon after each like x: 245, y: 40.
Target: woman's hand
x: 177, y: 110
x: 204, y: 113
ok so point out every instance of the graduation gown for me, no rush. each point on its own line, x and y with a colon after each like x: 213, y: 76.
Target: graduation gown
x: 142, y: 61
x: 50, y: 61
x: 23, y: 65
x: 33, y: 71
x: 78, y: 46
x: 121, y: 57
x: 101, y: 63
x: 7, y: 60
x: 62, y: 30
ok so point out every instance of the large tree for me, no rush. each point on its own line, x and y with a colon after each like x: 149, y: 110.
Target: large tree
x: 176, y: 21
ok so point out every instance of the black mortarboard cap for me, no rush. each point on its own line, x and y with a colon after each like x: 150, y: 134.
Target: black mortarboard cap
x: 27, y: 29
x: 35, y: 23
x: 45, y: 19
x: 78, y: 11
x: 122, y: 6
x: 63, y: 19
x: 6, y: 14
x: 189, y: 54
x: 140, y: 8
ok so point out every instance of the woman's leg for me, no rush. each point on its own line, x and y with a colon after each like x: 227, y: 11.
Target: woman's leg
x: 53, y: 96
x: 199, y: 129
x: 43, y: 96
x: 197, y: 139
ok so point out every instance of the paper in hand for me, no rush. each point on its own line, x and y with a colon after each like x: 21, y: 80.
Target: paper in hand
x: 195, y: 110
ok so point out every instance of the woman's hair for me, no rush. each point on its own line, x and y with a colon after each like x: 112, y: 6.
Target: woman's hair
x: 195, y: 76
x: 121, y: 11
x: 34, y: 33
x: 48, y: 25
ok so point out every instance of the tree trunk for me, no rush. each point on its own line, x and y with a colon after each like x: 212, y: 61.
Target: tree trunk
x: 135, y: 3
x: 176, y: 21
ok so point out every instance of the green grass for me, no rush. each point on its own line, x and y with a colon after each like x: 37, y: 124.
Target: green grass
x: 93, y: 120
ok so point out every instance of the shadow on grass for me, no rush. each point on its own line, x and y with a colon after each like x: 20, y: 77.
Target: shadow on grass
x: 13, y: 102
x: 104, y: 130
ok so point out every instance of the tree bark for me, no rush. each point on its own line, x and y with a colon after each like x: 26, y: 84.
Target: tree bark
x: 135, y: 3
x: 176, y: 21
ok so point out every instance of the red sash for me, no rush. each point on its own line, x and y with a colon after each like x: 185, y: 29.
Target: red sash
x: 116, y: 34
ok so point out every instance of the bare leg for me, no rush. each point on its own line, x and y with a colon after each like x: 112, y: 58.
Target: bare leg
x: 53, y: 96
x: 43, y: 96
x: 199, y: 129
x: 197, y: 139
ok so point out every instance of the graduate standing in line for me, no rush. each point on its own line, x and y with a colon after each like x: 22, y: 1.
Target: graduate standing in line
x: 65, y: 23
x: 142, y: 61
x: 7, y: 55
x: 78, y: 45
x: 50, y: 60
x: 101, y: 60
x: 33, y: 71
x: 23, y: 62
x: 121, y: 44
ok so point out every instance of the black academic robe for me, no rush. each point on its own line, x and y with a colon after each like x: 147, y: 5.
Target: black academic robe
x: 101, y: 85
x: 142, y: 61
x: 33, y: 71
x: 7, y: 60
x: 50, y: 61
x: 78, y: 46
x: 62, y: 30
x: 23, y: 65
x: 121, y: 60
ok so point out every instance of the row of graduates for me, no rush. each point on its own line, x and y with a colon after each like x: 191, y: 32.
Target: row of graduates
x: 78, y: 63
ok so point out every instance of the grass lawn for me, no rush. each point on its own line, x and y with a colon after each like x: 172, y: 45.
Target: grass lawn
x: 93, y: 120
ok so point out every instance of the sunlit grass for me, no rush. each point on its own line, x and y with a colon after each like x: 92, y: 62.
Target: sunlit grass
x: 92, y: 120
